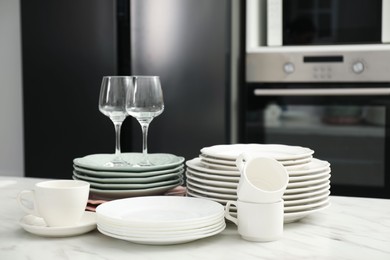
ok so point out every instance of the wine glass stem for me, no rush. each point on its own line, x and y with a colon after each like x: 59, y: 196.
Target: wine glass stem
x: 118, y: 126
x: 145, y: 127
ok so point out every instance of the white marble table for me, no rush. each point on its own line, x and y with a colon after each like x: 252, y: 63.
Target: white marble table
x: 351, y: 228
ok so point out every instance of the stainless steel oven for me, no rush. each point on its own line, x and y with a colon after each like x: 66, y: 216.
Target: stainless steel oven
x: 348, y: 129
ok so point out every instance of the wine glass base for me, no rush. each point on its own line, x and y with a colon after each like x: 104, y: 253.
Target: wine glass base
x: 143, y: 164
x: 117, y: 163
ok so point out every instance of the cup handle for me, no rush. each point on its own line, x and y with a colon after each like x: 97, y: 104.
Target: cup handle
x: 227, y: 212
x: 21, y: 200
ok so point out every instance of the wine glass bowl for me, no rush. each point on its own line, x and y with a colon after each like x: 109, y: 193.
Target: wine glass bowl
x: 144, y: 101
x: 112, y: 103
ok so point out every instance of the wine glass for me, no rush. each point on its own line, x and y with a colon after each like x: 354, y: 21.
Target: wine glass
x: 144, y: 101
x: 112, y: 103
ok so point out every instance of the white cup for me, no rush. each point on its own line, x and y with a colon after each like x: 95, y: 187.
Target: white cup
x: 263, y: 179
x: 259, y: 222
x: 58, y: 202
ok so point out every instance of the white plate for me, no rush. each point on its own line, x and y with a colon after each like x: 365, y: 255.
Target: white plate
x: 211, y: 188
x: 216, y: 166
x: 161, y: 229
x: 302, y: 184
x: 307, y: 206
x: 159, y: 211
x: 295, y: 216
x: 197, y: 165
x: 113, y: 174
x: 191, y: 193
x: 308, y: 194
x: 277, y: 151
x: 37, y: 226
x: 125, y: 180
x: 312, y: 176
x: 216, y: 183
x: 163, y: 241
x: 160, y: 161
x: 216, y: 160
x: 215, y: 177
x: 315, y: 165
x: 152, y: 233
x: 307, y: 188
x: 297, y: 202
x: 119, y: 194
x: 211, y: 194
x: 287, y: 164
x: 289, y: 217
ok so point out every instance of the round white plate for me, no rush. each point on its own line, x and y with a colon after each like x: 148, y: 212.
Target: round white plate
x: 216, y: 183
x: 303, y: 195
x: 290, y: 217
x: 110, y: 194
x: 315, y: 165
x: 211, y: 194
x: 162, y: 240
x: 37, y: 226
x: 307, y: 206
x: 276, y: 151
x: 152, y: 233
x: 162, y: 229
x: 191, y: 193
x: 216, y: 166
x: 159, y: 211
x: 323, y: 184
x: 160, y: 161
x: 205, y: 158
x: 302, y: 184
x: 113, y: 174
x: 131, y: 186
x: 200, y: 185
x: 312, y: 176
x: 296, y: 162
x: 308, y: 200
x: 126, y: 180
x: 215, y: 177
x: 197, y: 165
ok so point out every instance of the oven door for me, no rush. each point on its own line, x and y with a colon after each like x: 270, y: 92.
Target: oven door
x: 347, y: 128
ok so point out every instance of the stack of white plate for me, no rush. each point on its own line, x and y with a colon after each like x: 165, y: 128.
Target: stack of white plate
x: 160, y: 220
x: 129, y: 181
x: 214, y: 176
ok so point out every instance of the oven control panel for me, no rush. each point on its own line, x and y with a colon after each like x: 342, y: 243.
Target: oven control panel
x: 316, y: 65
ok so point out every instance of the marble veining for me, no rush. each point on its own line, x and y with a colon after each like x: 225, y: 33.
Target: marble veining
x: 351, y: 228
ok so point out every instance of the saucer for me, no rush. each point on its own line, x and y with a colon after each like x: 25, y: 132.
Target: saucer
x: 37, y: 226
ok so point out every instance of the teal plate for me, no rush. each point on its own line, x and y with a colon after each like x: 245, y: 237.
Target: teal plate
x: 159, y: 161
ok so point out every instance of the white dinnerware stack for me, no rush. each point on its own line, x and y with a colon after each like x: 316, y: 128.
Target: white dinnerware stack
x: 160, y: 220
x: 107, y: 182
x: 215, y: 176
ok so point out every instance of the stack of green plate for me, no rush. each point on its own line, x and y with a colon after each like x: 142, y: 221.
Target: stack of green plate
x: 165, y: 173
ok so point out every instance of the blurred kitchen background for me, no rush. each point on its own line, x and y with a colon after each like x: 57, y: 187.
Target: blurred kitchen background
x: 56, y: 53
x: 231, y: 71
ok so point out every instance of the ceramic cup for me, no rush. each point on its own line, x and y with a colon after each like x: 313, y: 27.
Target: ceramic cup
x: 263, y: 179
x: 259, y: 222
x: 58, y: 202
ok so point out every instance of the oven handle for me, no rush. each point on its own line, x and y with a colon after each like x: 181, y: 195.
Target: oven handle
x: 323, y: 92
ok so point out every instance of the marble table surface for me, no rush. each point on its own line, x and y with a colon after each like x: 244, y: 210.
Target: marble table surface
x: 351, y: 228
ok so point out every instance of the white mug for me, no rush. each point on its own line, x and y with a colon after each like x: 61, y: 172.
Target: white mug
x: 58, y: 202
x: 263, y: 179
x: 259, y: 222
